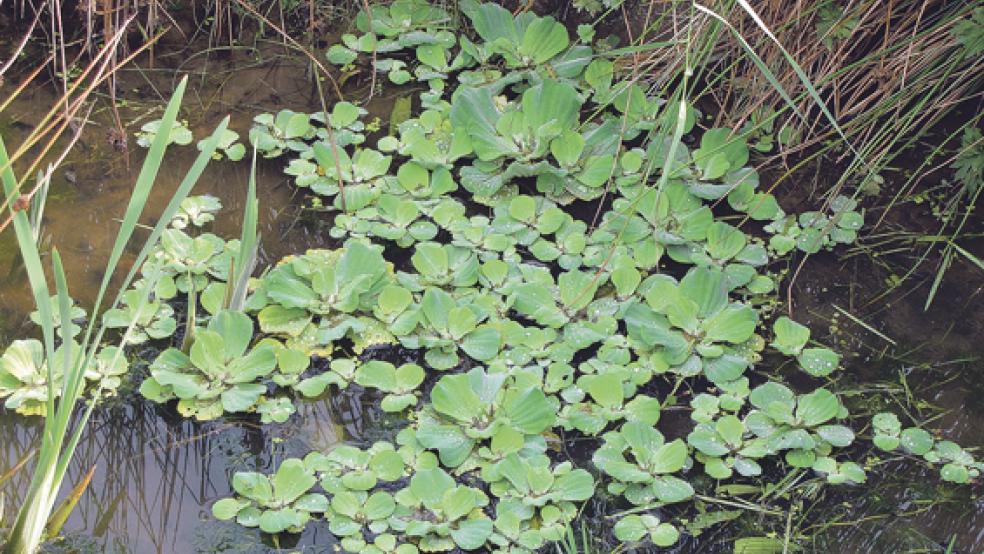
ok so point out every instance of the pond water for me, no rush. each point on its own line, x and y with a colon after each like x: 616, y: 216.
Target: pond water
x: 157, y: 474
x: 904, y: 507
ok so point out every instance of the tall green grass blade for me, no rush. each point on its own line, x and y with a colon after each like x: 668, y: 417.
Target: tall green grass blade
x: 792, y: 62
x: 245, y: 259
x: 180, y: 194
x: 151, y: 282
x: 972, y: 258
x: 938, y: 279
x: 190, y: 321
x: 28, y: 528
x: 138, y: 199
x: 240, y: 287
x: 55, y: 454
x: 184, y: 188
x: 64, y: 314
x: 29, y: 252
x: 759, y: 64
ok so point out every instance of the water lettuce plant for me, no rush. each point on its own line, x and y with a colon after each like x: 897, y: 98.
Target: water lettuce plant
x: 722, y: 448
x: 192, y: 262
x: 24, y: 377
x: 532, y: 137
x: 196, y: 211
x: 535, y: 501
x: 386, y: 28
x: 443, y: 514
x: 229, y: 147
x: 341, y: 373
x: 314, y: 299
x: 276, y: 503
x: 177, y: 133
x: 391, y: 218
x: 471, y: 409
x: 957, y: 465
x: 399, y: 383
x: 521, y: 41
x: 441, y: 326
x: 801, y: 427
x: 352, y: 511
x: 349, y: 468
x: 430, y: 139
x: 641, y: 464
x: 271, y: 135
x: 636, y: 527
x: 605, y: 398
x: 692, y: 325
x: 221, y: 374
x: 812, y: 231
x: 791, y: 339
x: 143, y: 320
x: 76, y: 315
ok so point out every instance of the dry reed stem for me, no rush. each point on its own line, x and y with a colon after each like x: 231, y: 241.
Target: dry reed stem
x: 53, y: 126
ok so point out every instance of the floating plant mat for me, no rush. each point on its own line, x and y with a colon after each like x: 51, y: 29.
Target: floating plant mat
x: 461, y: 237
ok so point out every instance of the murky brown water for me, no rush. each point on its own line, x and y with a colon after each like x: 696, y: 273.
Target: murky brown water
x: 157, y: 474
